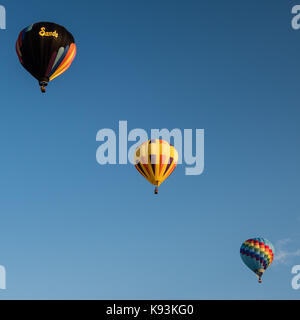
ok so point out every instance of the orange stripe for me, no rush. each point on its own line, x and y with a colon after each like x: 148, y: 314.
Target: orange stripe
x: 162, y: 160
x: 62, y: 69
x: 71, y: 52
x: 59, y: 71
x: 66, y: 62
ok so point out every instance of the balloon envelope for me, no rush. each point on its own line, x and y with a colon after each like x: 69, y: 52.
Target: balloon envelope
x: 156, y: 160
x: 257, y: 254
x: 45, y: 50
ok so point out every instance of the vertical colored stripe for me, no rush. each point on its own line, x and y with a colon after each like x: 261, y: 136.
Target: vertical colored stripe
x: 51, y: 62
x: 169, y: 164
x: 59, y: 58
x: 66, y: 62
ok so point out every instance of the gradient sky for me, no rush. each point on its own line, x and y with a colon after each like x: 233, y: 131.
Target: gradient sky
x: 72, y: 229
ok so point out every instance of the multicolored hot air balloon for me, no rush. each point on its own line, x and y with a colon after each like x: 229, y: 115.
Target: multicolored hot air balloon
x: 45, y: 50
x: 156, y: 160
x: 257, y: 254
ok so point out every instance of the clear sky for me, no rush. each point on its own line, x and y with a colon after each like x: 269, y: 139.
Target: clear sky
x: 72, y: 229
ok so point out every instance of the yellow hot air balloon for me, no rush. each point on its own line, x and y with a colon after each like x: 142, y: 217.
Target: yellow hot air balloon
x: 156, y: 160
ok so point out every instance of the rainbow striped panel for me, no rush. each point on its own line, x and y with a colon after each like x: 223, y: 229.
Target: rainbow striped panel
x: 62, y: 61
x: 257, y: 253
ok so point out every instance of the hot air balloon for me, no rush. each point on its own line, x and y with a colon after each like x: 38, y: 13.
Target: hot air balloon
x: 45, y: 50
x: 257, y: 254
x: 156, y: 160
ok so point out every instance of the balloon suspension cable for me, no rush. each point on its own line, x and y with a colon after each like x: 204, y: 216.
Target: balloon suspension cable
x: 43, y: 85
x: 156, y: 190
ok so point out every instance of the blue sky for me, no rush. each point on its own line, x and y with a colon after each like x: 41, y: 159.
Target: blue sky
x: 72, y: 229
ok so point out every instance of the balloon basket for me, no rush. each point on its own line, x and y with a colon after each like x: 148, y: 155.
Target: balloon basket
x: 156, y: 191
